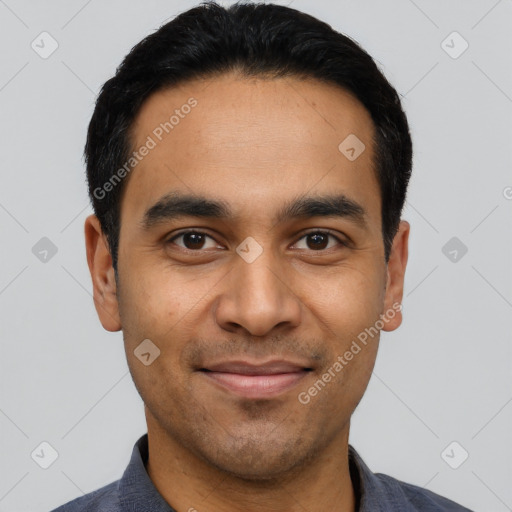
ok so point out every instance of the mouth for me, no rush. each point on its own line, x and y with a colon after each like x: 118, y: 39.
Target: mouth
x: 251, y: 380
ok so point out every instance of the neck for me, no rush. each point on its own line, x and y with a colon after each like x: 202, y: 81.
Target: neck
x: 191, y: 484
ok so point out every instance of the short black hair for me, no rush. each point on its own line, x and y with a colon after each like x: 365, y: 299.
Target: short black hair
x: 256, y: 39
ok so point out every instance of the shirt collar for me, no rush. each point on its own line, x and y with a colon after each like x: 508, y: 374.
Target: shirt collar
x: 371, y: 494
x: 137, y: 493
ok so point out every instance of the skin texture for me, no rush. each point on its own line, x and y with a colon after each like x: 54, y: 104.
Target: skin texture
x: 255, y: 144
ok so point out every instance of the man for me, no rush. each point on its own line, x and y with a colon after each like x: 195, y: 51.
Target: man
x: 248, y: 167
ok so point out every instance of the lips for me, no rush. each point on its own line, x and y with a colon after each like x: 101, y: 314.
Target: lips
x: 251, y: 380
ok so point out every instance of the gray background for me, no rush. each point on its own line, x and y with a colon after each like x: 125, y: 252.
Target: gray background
x: 444, y: 376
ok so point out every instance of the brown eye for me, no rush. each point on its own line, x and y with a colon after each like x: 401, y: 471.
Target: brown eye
x: 319, y: 240
x: 192, y: 240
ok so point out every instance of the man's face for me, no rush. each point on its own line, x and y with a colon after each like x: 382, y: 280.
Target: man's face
x: 226, y: 310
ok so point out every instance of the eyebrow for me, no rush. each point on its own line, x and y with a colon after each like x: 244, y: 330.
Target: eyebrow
x: 177, y: 205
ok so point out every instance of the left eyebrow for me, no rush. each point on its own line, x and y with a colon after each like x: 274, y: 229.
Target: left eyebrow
x: 175, y: 205
x: 324, y: 206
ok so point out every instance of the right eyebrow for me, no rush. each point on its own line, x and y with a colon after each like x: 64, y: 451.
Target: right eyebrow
x: 175, y: 205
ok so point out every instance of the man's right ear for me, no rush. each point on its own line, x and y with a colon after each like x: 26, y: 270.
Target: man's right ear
x: 99, y: 260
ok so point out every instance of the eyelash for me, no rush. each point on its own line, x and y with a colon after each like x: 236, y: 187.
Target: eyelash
x: 312, y: 232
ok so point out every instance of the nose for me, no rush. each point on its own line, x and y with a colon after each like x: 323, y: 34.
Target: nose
x: 257, y: 298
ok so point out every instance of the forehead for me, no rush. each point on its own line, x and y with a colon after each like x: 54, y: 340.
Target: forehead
x: 251, y: 142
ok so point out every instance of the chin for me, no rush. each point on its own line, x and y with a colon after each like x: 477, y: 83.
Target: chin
x: 259, y: 461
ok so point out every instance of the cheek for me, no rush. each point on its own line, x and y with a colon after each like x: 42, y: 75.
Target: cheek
x: 165, y: 309
x: 347, y: 311
x: 153, y: 310
x: 340, y: 385
x: 151, y: 303
x: 349, y: 300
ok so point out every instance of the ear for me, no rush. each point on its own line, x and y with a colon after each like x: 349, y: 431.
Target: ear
x: 102, y: 273
x: 395, y: 276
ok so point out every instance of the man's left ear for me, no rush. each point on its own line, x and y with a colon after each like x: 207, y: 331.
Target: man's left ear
x: 395, y: 277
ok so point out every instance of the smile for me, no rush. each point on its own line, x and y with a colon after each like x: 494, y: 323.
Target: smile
x: 256, y: 381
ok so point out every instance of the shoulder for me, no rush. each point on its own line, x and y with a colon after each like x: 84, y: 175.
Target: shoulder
x: 105, y: 499
x: 418, y: 498
x: 383, y: 493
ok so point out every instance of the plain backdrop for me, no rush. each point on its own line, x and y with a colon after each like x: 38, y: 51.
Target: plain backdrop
x: 443, y: 377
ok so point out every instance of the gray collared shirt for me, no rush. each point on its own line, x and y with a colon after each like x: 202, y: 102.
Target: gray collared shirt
x: 135, y: 491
